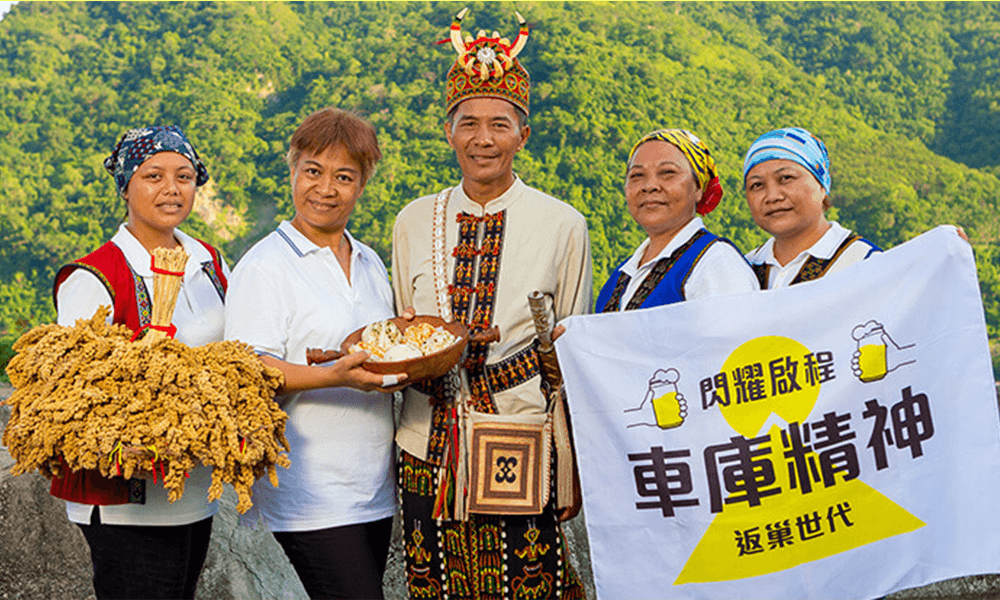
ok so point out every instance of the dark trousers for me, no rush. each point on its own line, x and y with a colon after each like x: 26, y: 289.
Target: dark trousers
x: 140, y: 561
x: 340, y: 562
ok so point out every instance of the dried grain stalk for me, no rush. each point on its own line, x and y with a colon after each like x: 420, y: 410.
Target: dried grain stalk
x: 89, y: 395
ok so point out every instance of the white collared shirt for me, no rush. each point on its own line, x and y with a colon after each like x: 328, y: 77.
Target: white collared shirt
x: 721, y: 270
x: 286, y: 295
x: 824, y: 248
x: 199, y: 317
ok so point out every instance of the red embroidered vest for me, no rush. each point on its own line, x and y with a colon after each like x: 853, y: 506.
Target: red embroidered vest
x: 131, y: 307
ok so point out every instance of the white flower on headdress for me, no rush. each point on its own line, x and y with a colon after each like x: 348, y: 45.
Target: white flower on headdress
x: 486, y: 55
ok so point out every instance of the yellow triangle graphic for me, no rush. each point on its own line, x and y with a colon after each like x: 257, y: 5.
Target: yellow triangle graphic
x: 815, y: 524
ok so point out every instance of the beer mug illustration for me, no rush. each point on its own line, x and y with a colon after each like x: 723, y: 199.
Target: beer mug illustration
x: 669, y: 405
x: 877, y: 353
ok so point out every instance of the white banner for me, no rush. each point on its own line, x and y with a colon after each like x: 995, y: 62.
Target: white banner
x: 837, y: 439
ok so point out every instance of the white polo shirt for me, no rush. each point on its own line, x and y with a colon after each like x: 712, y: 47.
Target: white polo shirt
x: 721, y: 270
x: 824, y: 248
x: 199, y: 317
x: 288, y: 294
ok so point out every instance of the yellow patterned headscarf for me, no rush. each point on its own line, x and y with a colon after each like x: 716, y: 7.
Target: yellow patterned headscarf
x: 701, y: 161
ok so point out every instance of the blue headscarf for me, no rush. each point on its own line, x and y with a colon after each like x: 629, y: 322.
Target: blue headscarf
x: 136, y: 145
x: 795, y: 144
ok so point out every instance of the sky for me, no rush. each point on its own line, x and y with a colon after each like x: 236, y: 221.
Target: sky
x: 4, y: 7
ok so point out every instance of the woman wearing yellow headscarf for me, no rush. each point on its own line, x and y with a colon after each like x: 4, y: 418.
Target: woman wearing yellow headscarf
x: 671, y: 176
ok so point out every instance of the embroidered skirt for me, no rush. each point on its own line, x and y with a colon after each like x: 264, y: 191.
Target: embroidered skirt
x: 484, y: 558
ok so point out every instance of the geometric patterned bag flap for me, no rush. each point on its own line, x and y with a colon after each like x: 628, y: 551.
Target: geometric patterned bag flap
x: 509, y: 464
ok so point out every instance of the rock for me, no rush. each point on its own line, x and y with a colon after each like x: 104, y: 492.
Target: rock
x: 245, y: 563
x: 42, y: 554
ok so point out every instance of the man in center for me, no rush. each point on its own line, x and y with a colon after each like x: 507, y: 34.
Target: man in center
x: 474, y: 252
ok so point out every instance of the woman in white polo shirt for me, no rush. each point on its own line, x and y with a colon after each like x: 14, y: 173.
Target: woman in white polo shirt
x: 308, y: 285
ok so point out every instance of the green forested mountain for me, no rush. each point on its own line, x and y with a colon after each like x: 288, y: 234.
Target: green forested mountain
x: 907, y: 97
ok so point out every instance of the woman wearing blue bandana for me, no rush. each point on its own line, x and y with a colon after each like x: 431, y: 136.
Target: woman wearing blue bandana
x: 786, y: 174
x: 141, y: 545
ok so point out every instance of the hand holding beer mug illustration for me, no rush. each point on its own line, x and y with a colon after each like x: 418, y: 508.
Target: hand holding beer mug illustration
x: 877, y: 354
x: 669, y: 405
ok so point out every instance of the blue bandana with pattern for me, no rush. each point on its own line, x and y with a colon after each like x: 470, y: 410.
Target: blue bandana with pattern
x: 136, y: 145
x: 794, y: 144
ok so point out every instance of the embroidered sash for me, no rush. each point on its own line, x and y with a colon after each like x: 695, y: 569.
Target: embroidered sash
x: 471, y: 299
x: 814, y: 268
x: 656, y: 275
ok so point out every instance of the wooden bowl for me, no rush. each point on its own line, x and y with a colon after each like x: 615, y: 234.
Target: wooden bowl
x: 420, y: 368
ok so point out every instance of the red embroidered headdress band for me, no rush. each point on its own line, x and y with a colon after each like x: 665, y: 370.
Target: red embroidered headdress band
x: 487, y: 66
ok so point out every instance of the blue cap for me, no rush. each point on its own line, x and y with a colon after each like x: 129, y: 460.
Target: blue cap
x: 794, y: 144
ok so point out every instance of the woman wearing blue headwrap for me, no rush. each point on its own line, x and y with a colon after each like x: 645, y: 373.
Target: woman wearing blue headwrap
x: 786, y: 174
x: 141, y: 545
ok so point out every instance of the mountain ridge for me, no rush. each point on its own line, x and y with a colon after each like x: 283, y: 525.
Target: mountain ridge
x: 883, y: 85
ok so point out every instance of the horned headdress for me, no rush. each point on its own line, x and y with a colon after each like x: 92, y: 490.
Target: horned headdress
x: 487, y: 66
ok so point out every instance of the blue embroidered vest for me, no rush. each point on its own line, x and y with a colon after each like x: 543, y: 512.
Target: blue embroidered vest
x: 665, y: 282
